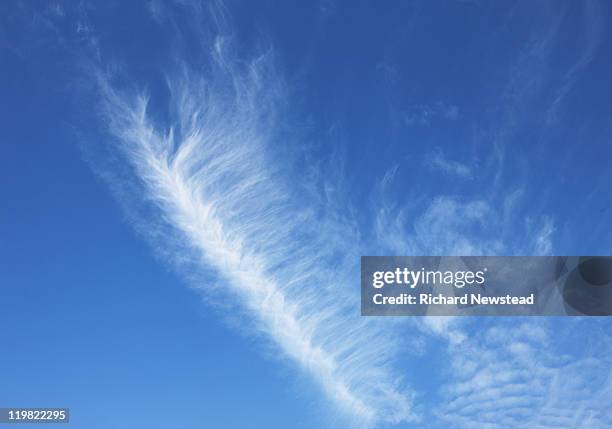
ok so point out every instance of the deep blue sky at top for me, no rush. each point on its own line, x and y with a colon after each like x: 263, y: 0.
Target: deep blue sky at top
x: 475, y: 100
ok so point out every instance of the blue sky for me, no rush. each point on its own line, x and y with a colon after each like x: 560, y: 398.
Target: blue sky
x: 188, y: 188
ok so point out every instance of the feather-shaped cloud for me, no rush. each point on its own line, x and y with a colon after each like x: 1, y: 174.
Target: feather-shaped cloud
x: 286, y: 259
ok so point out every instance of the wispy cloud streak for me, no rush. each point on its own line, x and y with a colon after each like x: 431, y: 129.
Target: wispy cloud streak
x: 211, y: 174
x: 437, y: 160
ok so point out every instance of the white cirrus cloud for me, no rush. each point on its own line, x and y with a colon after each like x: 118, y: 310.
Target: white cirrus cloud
x: 211, y: 174
x: 439, y: 161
